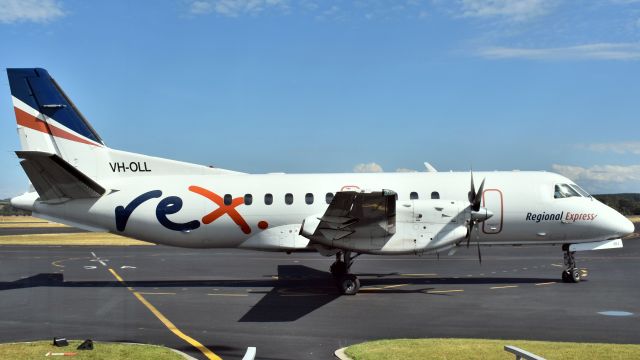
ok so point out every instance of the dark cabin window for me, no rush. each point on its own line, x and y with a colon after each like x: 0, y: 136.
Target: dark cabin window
x: 328, y: 198
x: 248, y: 199
x: 268, y: 199
x: 435, y: 195
x: 308, y: 198
x: 227, y: 199
x: 288, y: 198
x: 413, y: 196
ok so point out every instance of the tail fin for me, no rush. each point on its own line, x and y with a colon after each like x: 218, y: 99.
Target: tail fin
x: 48, y: 122
x: 42, y: 106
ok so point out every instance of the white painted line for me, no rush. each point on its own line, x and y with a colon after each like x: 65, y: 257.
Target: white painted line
x: 228, y: 294
x: 443, y: 291
x: 156, y: 293
x: 546, y: 283
x: 418, y: 274
x: 127, y: 267
x: 556, y: 265
x: 503, y: 287
x: 90, y: 267
x: 393, y: 286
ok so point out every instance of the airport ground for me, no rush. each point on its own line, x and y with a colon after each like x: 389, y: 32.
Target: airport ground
x: 286, y: 305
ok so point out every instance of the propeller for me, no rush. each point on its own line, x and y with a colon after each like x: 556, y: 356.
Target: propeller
x: 477, y: 213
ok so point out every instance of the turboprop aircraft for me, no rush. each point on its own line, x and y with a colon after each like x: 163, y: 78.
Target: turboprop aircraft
x: 77, y: 180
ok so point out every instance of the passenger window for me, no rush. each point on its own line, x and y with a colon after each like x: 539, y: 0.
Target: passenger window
x: 248, y: 199
x: 268, y: 199
x: 413, y: 196
x: 227, y: 199
x: 308, y: 198
x: 288, y: 198
x: 435, y: 195
x: 564, y: 191
x: 328, y: 198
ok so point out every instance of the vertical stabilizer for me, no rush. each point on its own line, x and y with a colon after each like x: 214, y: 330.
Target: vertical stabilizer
x: 49, y: 122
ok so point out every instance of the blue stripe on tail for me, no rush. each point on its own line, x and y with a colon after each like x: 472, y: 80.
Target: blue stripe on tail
x: 37, y: 89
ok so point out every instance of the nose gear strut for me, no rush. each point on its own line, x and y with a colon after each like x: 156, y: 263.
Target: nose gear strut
x: 571, y: 273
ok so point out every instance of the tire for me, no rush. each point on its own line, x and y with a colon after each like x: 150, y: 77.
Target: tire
x: 566, y: 276
x: 349, y: 284
x: 576, y: 276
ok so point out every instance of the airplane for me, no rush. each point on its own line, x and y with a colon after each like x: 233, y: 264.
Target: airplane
x: 78, y: 180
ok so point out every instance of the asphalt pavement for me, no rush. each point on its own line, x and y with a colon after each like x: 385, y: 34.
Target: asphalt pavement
x: 287, y: 306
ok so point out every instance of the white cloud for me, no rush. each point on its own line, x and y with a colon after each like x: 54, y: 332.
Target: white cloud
x: 600, y: 173
x: 630, y: 147
x: 368, y: 168
x: 600, y: 179
x: 12, y: 11
x: 234, y: 8
x: 511, y: 10
x: 596, y: 51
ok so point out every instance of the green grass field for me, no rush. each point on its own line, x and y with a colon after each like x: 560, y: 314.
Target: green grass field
x: 93, y: 239
x: 102, y: 350
x: 452, y: 349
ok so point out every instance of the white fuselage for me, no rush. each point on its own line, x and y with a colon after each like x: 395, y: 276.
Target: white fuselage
x: 523, y: 206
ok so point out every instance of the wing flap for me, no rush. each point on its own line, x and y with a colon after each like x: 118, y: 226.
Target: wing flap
x: 350, y: 212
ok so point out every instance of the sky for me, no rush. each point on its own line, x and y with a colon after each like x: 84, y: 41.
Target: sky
x: 303, y: 86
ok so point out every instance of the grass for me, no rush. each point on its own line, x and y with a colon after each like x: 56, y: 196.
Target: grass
x: 93, y: 239
x: 21, y: 219
x: 634, y: 218
x: 451, y: 349
x: 30, y: 225
x: 101, y: 350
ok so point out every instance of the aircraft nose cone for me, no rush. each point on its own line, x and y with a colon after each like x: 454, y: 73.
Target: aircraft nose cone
x: 627, y: 227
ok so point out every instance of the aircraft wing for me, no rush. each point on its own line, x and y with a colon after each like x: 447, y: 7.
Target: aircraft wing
x: 354, y: 212
x: 55, y: 179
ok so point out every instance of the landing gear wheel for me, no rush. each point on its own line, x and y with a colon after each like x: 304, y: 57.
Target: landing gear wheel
x: 571, y: 273
x: 576, y: 276
x: 348, y: 284
x: 338, y: 269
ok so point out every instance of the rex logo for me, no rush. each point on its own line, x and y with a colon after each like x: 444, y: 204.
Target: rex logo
x: 173, y: 204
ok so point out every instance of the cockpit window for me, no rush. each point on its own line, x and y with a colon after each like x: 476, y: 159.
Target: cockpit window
x: 564, y: 191
x: 580, y: 190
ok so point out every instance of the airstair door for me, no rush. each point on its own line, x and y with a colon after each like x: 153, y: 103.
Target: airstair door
x: 492, y: 200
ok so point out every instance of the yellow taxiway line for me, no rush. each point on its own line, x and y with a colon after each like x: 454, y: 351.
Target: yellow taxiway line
x: 193, y: 342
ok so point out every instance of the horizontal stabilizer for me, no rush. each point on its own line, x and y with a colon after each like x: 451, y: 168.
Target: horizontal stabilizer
x: 56, y: 179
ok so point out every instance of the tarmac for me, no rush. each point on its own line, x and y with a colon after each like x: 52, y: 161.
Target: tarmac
x: 287, y: 306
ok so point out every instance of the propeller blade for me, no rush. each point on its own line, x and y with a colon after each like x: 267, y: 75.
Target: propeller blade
x: 472, y: 192
x: 478, y: 197
x: 469, y: 228
x: 479, y: 254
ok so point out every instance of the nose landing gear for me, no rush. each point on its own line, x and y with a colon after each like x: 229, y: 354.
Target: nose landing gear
x: 571, y: 274
x: 348, y: 284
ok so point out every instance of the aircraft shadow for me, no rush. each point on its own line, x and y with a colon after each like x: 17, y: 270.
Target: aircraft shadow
x: 296, y: 291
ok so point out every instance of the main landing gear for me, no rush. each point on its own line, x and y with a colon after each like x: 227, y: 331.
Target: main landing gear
x: 571, y: 274
x: 348, y: 284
